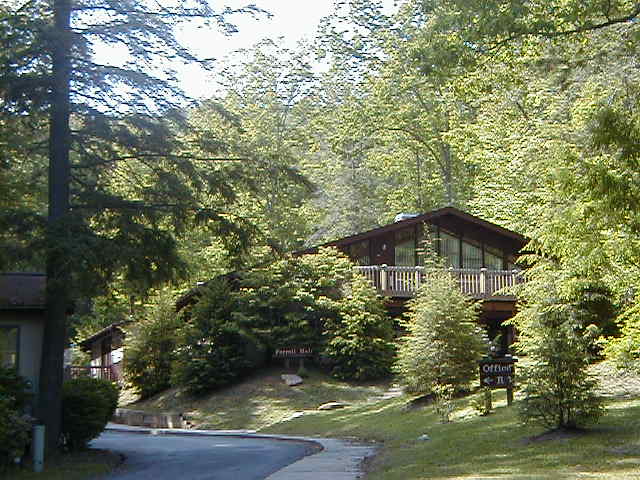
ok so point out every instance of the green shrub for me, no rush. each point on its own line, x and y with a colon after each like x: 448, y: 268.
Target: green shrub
x: 87, y: 405
x: 149, y: 345
x: 15, y: 432
x: 360, y: 339
x: 15, y: 388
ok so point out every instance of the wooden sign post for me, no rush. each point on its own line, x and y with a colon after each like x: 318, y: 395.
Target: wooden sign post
x: 498, y: 373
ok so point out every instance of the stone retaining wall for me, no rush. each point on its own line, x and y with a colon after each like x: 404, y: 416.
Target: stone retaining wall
x: 139, y: 418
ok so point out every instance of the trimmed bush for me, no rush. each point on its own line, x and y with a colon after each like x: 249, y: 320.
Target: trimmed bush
x: 87, y: 405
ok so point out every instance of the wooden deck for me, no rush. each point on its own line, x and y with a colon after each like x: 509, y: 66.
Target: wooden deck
x: 404, y: 282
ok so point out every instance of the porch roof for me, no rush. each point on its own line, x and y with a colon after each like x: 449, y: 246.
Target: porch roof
x: 22, y: 291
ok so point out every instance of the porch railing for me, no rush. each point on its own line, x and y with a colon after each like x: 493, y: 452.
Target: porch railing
x: 111, y: 372
x: 478, y: 283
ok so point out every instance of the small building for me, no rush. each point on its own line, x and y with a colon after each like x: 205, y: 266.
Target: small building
x: 107, y: 352
x: 22, y: 320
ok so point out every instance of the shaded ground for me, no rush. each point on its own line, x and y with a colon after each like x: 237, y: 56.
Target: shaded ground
x: 72, y: 466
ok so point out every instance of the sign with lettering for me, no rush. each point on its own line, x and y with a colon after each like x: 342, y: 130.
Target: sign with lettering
x: 497, y: 372
x: 293, y: 352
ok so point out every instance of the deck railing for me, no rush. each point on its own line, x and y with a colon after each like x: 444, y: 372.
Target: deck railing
x: 405, y: 281
x: 112, y: 372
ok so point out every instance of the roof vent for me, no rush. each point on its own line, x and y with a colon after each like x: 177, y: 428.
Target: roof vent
x: 405, y: 216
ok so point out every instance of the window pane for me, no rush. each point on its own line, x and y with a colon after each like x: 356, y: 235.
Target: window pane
x: 493, y: 261
x: 405, y: 248
x: 471, y: 256
x: 9, y: 346
x: 450, y: 249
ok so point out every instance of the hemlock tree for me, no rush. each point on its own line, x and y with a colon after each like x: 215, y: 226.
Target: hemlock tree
x: 121, y: 183
x: 444, y: 341
x: 558, y: 390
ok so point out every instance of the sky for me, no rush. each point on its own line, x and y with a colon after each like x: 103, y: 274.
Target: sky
x: 292, y: 19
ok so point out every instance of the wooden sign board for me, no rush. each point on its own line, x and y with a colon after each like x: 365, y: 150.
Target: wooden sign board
x: 497, y: 372
x: 293, y: 352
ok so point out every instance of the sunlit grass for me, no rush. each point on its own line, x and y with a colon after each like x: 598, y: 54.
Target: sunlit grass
x: 261, y: 401
x: 474, y: 447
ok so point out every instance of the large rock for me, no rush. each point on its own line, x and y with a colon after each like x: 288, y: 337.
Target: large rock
x: 291, y: 380
x: 332, y: 406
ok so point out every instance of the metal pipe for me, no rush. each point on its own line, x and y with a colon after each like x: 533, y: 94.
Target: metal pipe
x: 37, y: 448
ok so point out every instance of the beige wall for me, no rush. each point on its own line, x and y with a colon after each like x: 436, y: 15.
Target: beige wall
x: 31, y: 324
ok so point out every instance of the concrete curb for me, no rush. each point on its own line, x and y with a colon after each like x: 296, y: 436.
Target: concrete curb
x: 333, y: 459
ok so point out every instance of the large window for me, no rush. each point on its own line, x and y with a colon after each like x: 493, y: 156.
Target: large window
x: 450, y: 249
x: 493, y: 259
x: 471, y: 256
x: 406, y: 248
x: 359, y: 253
x: 9, y: 346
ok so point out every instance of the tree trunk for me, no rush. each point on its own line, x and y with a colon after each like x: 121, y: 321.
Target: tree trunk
x: 55, y: 330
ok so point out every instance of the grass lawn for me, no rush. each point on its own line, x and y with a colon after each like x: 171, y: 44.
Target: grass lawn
x: 471, y: 447
x: 73, y: 466
x: 261, y: 401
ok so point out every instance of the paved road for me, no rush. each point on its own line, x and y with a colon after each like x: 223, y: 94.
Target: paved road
x: 172, y: 457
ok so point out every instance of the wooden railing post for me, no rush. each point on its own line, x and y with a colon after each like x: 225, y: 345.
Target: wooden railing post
x: 483, y: 282
x: 383, y: 277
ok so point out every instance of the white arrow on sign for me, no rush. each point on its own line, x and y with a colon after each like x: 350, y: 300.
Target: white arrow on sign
x: 488, y: 380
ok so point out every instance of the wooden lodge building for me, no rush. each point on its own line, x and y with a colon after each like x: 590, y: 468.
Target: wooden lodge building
x: 480, y: 254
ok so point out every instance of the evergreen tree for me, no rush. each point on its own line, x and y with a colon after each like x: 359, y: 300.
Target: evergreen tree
x: 105, y: 121
x: 558, y: 390
x: 444, y: 341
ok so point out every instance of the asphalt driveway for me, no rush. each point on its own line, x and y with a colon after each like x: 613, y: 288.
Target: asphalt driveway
x: 177, y: 457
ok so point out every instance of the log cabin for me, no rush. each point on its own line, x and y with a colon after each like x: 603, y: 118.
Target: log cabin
x: 479, y: 254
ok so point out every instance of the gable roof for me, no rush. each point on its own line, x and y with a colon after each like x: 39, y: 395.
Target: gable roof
x: 22, y: 291
x: 435, y: 217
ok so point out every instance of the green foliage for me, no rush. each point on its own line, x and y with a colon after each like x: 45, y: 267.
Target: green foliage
x: 312, y: 301
x: 443, y: 342
x: 14, y: 389
x: 87, y: 405
x: 484, y: 404
x: 15, y: 428
x: 558, y: 391
x: 213, y: 351
x: 149, y: 346
x: 625, y: 349
x: 359, y: 340
x: 15, y: 433
x: 443, y: 401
